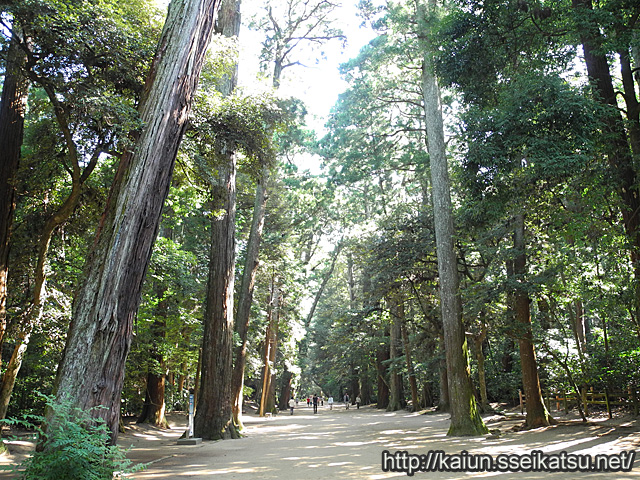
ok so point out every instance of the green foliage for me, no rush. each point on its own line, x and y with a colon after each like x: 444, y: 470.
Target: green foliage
x: 74, y: 446
x: 238, y: 123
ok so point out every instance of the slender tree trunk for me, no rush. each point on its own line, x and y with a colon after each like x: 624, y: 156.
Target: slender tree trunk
x: 92, y: 369
x: 537, y: 414
x: 12, y: 110
x: 245, y: 296
x: 415, y: 403
x: 382, y: 355
x: 465, y: 416
x: 269, y: 349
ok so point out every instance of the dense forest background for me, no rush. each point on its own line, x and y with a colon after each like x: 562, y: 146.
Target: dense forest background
x: 330, y: 242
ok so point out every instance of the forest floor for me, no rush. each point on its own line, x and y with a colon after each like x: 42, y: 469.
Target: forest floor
x: 348, y: 444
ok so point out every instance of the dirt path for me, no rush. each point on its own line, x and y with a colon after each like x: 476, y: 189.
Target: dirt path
x: 348, y: 445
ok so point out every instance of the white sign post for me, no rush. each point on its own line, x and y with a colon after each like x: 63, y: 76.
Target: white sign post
x: 191, y: 415
x: 189, y: 438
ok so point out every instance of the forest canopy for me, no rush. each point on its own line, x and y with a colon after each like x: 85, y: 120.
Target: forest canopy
x: 278, y: 259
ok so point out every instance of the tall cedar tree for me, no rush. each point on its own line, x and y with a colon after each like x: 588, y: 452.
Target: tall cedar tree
x: 92, y: 369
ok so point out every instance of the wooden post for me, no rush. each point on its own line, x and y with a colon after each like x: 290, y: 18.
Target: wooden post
x: 522, y: 400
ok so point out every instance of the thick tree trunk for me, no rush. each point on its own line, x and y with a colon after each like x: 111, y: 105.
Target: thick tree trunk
x: 213, y: 420
x: 245, y: 296
x: 92, y: 370
x: 396, y: 400
x: 537, y: 414
x: 153, y: 411
x: 465, y: 416
x: 365, y: 385
x: 285, y: 389
x: 354, y: 383
x: 12, y: 109
x: 382, y: 356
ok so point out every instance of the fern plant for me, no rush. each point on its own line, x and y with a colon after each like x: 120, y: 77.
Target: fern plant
x: 74, y: 446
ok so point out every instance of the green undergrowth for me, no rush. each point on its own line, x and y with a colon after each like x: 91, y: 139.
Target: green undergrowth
x: 73, y: 445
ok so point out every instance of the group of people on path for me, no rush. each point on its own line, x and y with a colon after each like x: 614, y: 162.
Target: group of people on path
x: 315, y: 401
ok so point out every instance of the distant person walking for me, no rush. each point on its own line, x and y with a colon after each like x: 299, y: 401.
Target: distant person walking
x: 292, y: 404
x: 315, y: 403
x: 358, y: 402
x: 346, y: 400
x: 330, y: 403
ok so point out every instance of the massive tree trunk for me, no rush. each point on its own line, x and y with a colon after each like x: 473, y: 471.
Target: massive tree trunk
x: 537, y: 414
x: 92, y: 370
x: 12, y: 109
x: 214, y: 420
x: 465, y: 416
x: 245, y: 296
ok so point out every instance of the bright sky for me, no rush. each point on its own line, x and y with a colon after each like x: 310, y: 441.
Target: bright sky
x: 318, y: 83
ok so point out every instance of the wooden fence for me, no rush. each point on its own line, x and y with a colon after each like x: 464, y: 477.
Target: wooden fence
x: 563, y: 401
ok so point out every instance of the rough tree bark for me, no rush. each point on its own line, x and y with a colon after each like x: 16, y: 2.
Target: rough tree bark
x: 92, y: 369
x: 396, y: 399
x: 12, y: 109
x: 465, y: 416
x: 537, y: 414
x: 214, y: 420
x: 245, y: 297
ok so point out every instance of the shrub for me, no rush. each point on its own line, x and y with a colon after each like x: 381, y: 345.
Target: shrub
x: 74, y: 446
